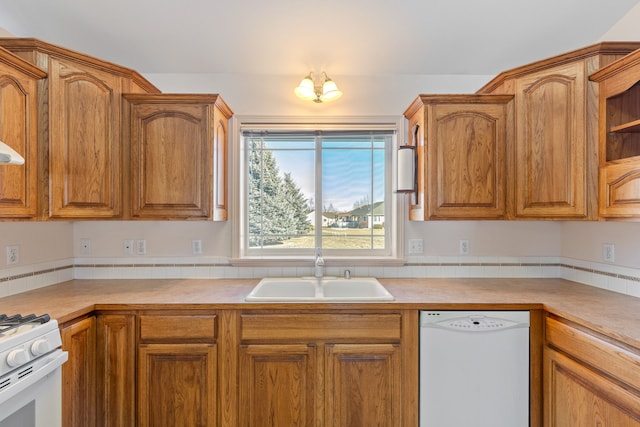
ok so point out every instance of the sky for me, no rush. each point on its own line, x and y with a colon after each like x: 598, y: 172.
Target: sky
x: 346, y: 174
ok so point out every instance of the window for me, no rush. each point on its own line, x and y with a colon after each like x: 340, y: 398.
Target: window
x: 327, y: 187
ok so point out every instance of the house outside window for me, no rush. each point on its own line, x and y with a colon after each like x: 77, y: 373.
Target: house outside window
x: 307, y: 186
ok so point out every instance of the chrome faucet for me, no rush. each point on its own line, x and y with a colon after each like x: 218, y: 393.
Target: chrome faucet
x: 319, y: 264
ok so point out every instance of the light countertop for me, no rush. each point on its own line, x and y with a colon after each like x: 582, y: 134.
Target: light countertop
x: 611, y: 313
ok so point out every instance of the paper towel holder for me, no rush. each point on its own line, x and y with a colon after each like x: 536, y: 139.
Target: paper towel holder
x: 407, y: 179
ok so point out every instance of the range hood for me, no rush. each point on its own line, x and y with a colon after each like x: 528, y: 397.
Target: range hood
x: 9, y: 156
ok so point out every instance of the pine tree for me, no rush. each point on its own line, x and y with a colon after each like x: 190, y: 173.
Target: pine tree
x: 264, y: 195
x: 298, y: 205
x: 277, y: 207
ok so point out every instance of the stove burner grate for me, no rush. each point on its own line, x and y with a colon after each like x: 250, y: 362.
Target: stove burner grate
x: 8, y: 323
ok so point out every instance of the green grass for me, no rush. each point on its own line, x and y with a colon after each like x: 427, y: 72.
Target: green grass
x: 339, y: 238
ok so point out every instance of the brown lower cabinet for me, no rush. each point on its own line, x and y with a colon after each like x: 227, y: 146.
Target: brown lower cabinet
x: 589, y: 379
x: 253, y: 368
x: 116, y: 367
x: 233, y: 368
x: 321, y: 369
x: 79, y: 373
x: 177, y: 385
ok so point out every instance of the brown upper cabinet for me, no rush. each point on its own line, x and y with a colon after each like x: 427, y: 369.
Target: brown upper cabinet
x: 79, y: 130
x: 619, y: 132
x: 461, y: 145
x: 84, y: 150
x: 177, y: 142
x: 535, y: 157
x: 19, y: 129
x: 554, y: 155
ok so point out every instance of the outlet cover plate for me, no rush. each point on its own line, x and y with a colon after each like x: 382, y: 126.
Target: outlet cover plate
x: 416, y: 246
x: 13, y: 255
x: 464, y: 247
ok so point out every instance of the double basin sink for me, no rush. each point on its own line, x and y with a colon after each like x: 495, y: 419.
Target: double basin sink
x: 326, y: 289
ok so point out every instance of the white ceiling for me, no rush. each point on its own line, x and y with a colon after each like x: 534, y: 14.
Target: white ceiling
x: 347, y: 37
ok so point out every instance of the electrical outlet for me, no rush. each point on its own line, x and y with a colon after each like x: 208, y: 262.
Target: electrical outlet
x: 608, y: 252
x: 416, y: 246
x: 464, y: 247
x: 13, y: 254
x: 196, y: 246
x: 141, y: 247
x: 128, y: 247
x: 85, y: 246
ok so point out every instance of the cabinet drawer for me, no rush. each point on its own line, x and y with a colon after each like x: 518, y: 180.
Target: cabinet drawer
x: 607, y: 357
x: 177, y: 329
x: 320, y: 326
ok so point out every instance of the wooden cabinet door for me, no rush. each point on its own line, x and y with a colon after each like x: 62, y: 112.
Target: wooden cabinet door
x: 177, y: 385
x: 466, y: 159
x: 362, y: 385
x: 461, y: 150
x: 220, y: 162
x: 84, y: 141
x: 550, y: 147
x: 19, y: 130
x: 620, y: 190
x: 171, y: 160
x: 79, y: 374
x: 116, y: 352
x: 277, y: 385
x: 574, y: 395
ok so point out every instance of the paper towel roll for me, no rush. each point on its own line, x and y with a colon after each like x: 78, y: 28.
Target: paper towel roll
x: 406, y: 169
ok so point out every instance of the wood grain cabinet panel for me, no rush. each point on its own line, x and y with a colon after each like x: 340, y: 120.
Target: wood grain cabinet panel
x: 177, y: 385
x: 79, y: 374
x: 325, y: 369
x: 278, y: 385
x: 576, y: 396
x: 116, y: 368
x: 550, y: 146
x: 589, y: 379
x: 462, y: 165
x: 19, y: 130
x: 620, y: 190
x: 84, y: 142
x: 175, y: 140
x: 361, y: 383
x: 177, y: 372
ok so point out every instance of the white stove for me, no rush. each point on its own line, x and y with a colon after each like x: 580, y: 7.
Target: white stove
x: 30, y: 377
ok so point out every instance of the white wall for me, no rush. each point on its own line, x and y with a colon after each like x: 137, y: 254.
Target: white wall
x: 584, y: 241
x: 269, y: 95
x: 37, y: 241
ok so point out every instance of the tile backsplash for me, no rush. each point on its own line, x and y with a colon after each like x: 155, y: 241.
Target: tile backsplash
x: 615, y: 278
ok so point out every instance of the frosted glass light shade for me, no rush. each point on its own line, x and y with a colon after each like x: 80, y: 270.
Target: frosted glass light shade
x: 330, y: 90
x: 306, y: 89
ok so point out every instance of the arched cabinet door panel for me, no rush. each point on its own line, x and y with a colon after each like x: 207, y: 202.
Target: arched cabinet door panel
x: 550, y: 148
x: 85, y: 164
x: 461, y: 143
x: 19, y: 130
x: 178, y: 156
x: 620, y: 190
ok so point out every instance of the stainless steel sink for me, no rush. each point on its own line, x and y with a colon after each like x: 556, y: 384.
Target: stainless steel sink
x: 310, y: 289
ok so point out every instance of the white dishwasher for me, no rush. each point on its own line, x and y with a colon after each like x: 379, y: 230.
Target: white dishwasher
x: 474, y: 369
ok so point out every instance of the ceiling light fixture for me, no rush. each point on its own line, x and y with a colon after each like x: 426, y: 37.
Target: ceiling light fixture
x: 325, y: 91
